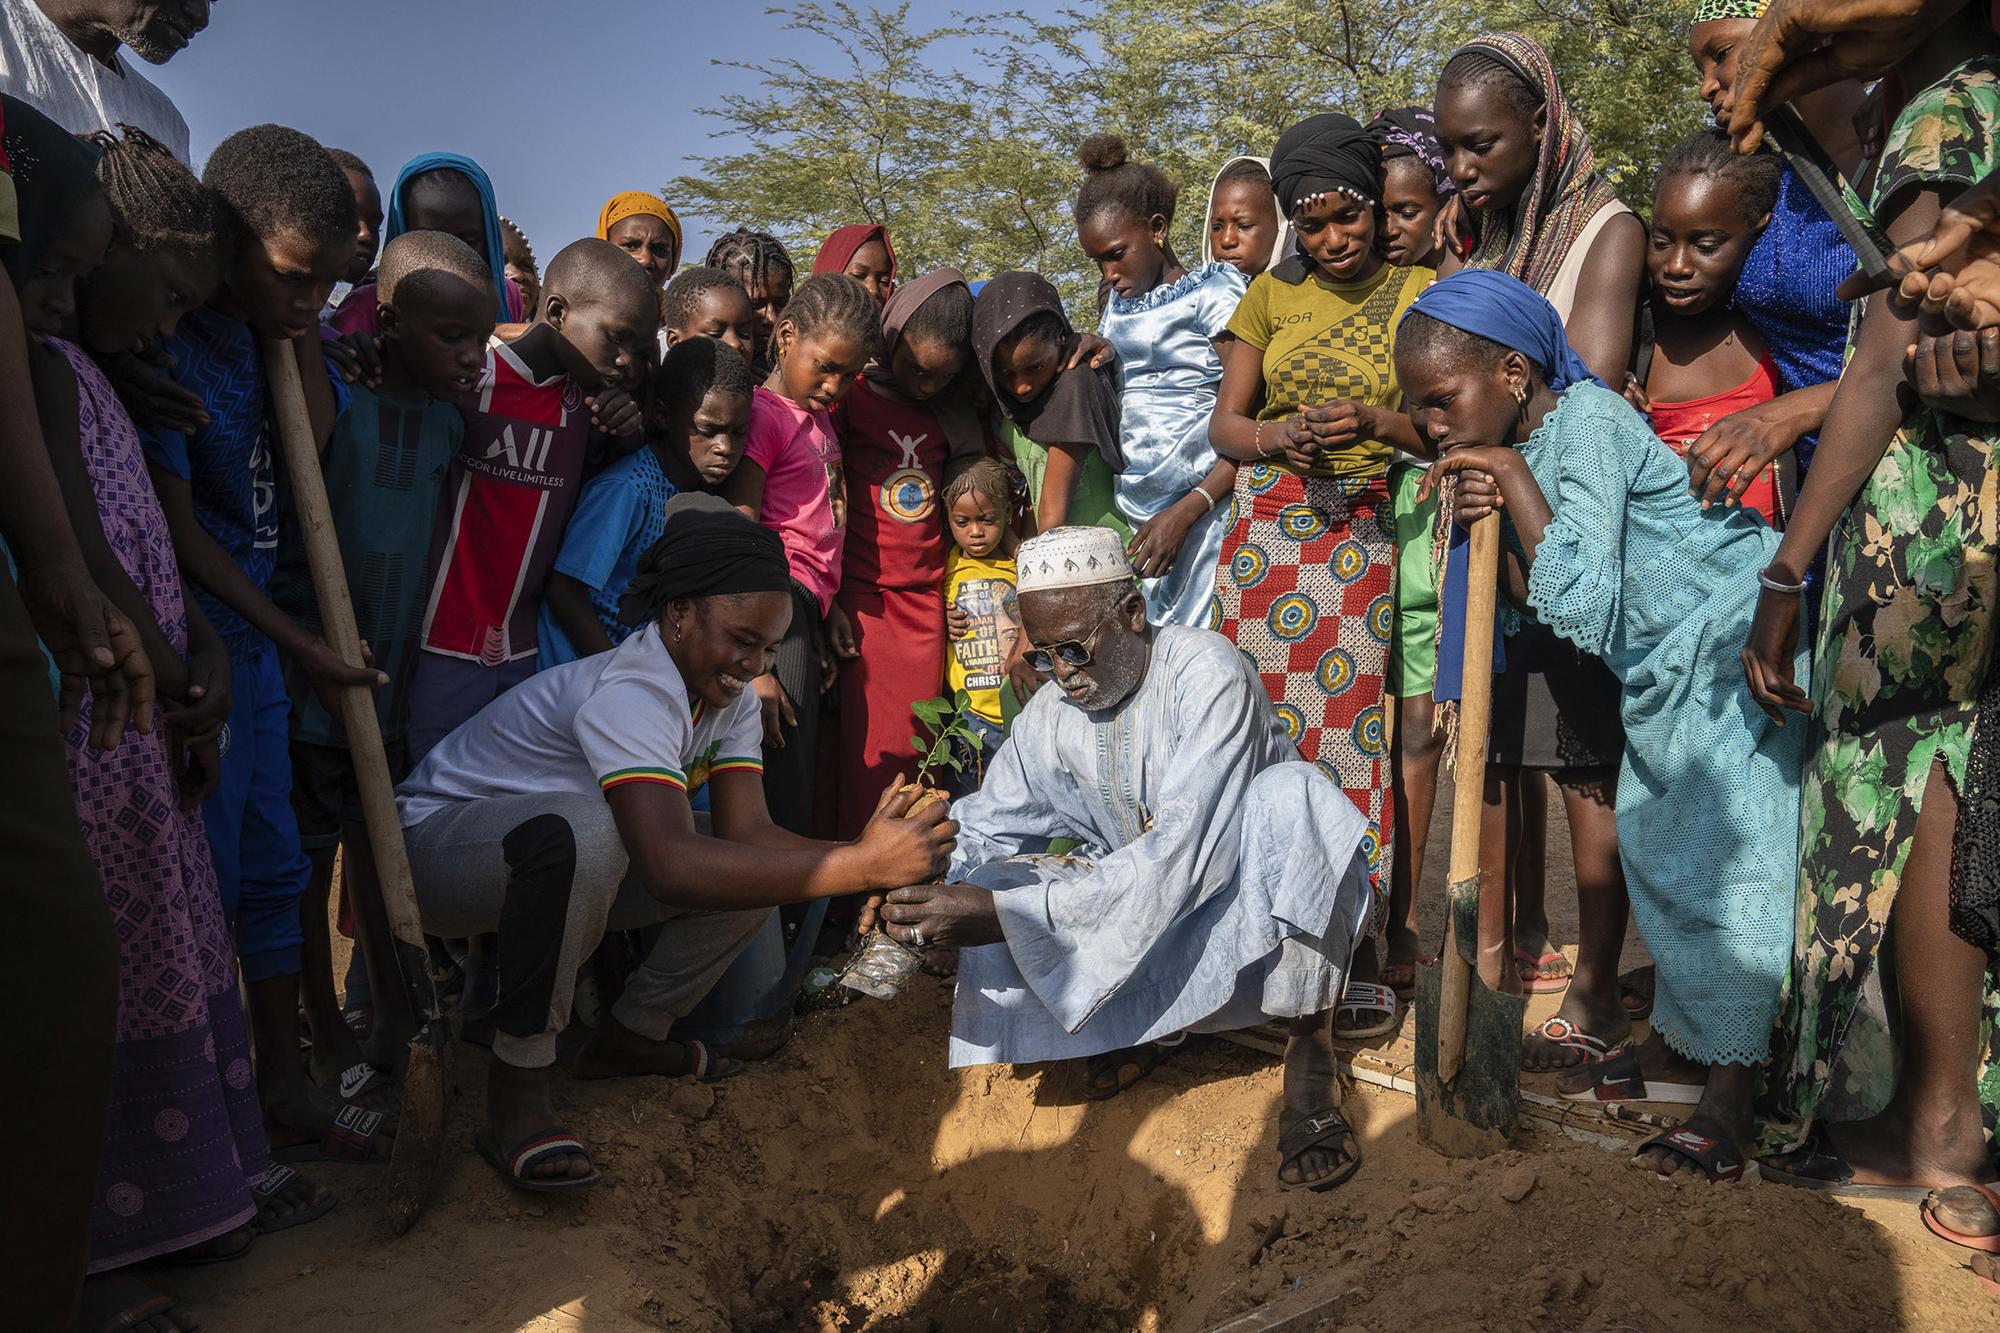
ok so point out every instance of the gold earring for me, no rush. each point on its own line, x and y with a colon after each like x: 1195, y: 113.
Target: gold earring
x: 1520, y: 394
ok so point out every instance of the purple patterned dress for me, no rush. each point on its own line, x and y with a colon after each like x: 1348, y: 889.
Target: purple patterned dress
x: 184, y: 1136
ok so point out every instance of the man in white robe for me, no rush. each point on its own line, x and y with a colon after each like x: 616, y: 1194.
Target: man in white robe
x: 1218, y: 879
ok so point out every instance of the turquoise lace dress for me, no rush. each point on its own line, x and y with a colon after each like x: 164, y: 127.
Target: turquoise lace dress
x: 1633, y: 570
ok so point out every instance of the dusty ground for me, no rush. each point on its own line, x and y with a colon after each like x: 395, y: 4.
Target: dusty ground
x: 852, y: 1183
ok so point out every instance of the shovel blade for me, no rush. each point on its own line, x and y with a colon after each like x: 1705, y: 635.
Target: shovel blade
x: 1474, y: 1114
x: 417, y: 1161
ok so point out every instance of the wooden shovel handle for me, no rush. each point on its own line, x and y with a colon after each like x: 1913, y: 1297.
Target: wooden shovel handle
x: 336, y: 611
x: 1475, y: 711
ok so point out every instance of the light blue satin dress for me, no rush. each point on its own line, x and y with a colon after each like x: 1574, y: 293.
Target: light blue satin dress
x: 1168, y: 363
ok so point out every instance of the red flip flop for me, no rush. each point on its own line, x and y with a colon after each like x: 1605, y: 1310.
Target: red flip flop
x: 1987, y: 1244
x: 1531, y: 967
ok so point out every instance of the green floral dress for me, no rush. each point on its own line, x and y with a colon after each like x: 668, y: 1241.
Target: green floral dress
x: 1903, y: 652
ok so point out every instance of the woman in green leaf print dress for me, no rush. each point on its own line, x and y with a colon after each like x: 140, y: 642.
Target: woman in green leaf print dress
x: 1908, y: 498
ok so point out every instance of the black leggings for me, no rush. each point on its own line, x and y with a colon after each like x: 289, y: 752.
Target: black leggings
x: 790, y: 769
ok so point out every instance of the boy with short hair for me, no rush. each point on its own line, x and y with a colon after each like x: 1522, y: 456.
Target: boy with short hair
x: 704, y: 302
x: 695, y: 437
x: 515, y: 479
x: 384, y: 471
x: 294, y: 219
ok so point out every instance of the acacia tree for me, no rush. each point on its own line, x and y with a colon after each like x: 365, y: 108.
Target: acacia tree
x: 979, y: 170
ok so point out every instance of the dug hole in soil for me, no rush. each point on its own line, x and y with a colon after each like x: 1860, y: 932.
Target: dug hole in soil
x: 853, y: 1182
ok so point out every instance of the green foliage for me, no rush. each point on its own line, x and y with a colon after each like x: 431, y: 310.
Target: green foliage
x: 951, y: 737
x: 979, y: 171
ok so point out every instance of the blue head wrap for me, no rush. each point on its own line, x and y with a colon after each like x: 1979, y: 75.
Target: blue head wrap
x: 1501, y: 307
x: 395, y: 224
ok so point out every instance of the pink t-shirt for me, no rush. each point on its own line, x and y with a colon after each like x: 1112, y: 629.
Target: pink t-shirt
x: 805, y: 495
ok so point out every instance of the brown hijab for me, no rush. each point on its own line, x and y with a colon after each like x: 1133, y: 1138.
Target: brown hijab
x: 956, y: 416
x: 1080, y: 406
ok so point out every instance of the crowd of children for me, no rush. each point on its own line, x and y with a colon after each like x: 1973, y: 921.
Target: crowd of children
x: 1397, y: 325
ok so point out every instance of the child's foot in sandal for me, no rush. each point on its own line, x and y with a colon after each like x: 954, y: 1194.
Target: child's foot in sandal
x: 118, y: 1302
x: 1580, y: 1033
x: 523, y: 1138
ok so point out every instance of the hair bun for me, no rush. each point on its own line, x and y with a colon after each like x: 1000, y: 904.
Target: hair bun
x: 1102, y: 152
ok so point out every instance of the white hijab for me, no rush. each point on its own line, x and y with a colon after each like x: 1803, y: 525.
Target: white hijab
x: 1279, y: 250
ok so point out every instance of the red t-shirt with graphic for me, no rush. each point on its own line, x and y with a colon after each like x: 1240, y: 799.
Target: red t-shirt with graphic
x: 508, y: 495
x: 894, y: 455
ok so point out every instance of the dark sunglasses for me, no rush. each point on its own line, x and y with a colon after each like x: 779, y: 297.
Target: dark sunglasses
x: 1070, y: 651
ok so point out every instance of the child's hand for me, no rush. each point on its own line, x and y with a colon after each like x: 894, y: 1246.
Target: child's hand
x: 614, y: 412
x: 197, y: 765
x: 96, y: 650
x: 1089, y: 347
x: 1959, y: 373
x: 331, y: 674
x: 357, y: 356
x: 1157, y: 544
x: 1478, y: 469
x: 1635, y: 393
x: 778, y: 712
x: 957, y: 622
x: 1735, y: 450
x: 1024, y: 678
x: 153, y: 399
x: 199, y: 717
x: 840, y: 635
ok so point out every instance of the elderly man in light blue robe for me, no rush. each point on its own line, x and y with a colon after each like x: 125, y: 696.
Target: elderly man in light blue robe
x: 1217, y: 881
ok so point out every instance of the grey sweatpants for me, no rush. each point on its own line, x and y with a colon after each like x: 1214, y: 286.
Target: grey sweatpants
x: 547, y: 873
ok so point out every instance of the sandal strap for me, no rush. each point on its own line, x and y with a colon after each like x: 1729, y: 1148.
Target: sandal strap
x: 533, y: 1151
x: 1310, y: 1131
x: 272, y: 1182
x: 1559, y: 1031
x: 352, y: 1134
x: 1718, y: 1159
x: 1368, y: 995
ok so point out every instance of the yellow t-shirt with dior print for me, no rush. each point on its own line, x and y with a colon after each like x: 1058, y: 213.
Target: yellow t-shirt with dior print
x: 1325, y: 341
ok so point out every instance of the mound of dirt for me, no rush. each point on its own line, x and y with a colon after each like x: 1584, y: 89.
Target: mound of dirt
x: 854, y: 1183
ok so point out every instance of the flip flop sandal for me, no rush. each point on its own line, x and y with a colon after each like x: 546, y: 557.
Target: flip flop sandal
x: 1559, y: 1031
x: 1966, y: 1193
x: 1532, y: 979
x: 1145, y: 1058
x: 1299, y: 1133
x: 1616, y: 1078
x: 266, y: 1192
x: 1719, y: 1159
x: 698, y: 1062
x: 1814, y: 1168
x: 1402, y: 977
x: 356, y: 1136
x: 113, y: 1302
x: 1365, y: 997
x: 1635, y: 992
x: 356, y: 1081
x: 530, y: 1153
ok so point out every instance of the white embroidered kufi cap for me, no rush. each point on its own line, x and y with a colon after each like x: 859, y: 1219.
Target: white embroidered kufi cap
x: 1072, y: 557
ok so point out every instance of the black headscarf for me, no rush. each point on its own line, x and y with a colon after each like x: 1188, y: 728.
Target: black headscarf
x: 1325, y: 153
x: 1412, y: 131
x: 707, y: 549
x: 1080, y: 406
x: 53, y: 172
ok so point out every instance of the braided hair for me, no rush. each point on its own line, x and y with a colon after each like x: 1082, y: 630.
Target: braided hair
x: 1113, y: 183
x: 157, y: 201
x: 1755, y: 177
x: 756, y: 258
x: 686, y: 291
x: 836, y: 303
x: 1478, y: 69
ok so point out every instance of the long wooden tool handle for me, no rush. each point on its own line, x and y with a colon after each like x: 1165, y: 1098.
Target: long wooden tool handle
x: 336, y: 612
x: 1475, y: 710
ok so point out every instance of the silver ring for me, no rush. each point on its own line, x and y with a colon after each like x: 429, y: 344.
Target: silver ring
x: 916, y: 937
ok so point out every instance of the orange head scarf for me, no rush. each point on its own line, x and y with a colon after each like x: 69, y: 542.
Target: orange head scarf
x: 631, y: 203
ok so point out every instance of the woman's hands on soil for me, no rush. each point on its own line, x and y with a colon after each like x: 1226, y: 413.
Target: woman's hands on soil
x: 778, y: 712
x: 902, y: 848
x: 957, y: 916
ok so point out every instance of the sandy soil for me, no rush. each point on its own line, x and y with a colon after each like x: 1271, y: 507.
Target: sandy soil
x: 852, y: 1182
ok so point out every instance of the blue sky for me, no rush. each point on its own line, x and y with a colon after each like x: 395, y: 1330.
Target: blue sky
x: 564, y: 102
